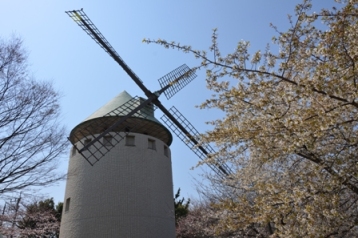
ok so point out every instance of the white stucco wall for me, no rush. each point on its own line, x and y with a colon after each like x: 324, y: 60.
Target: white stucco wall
x: 128, y: 193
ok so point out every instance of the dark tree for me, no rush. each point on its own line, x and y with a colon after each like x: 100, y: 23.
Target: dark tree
x: 31, y: 137
x: 181, y: 208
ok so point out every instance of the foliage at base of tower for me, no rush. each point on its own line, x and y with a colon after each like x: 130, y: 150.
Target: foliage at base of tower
x: 37, y: 219
x: 197, y: 223
x: 290, y: 127
x: 202, y: 221
x: 31, y: 138
x: 181, y: 208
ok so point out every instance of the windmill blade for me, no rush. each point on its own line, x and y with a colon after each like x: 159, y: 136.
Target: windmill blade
x: 90, y: 144
x: 177, y: 79
x: 80, y: 17
x: 190, y: 136
x: 93, y: 139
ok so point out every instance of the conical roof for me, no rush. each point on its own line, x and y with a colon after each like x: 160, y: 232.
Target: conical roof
x: 118, y: 107
x: 116, y: 102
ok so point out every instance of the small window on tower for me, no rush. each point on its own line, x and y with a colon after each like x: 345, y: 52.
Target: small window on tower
x: 166, y: 151
x: 87, y: 141
x: 151, y: 144
x: 73, y: 151
x: 130, y: 140
x: 67, y: 205
x: 107, y: 141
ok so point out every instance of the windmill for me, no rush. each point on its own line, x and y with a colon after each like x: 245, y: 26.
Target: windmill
x: 126, y: 188
x: 170, y: 84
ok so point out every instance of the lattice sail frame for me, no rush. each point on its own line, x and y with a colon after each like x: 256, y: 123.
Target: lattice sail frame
x: 89, y: 130
x: 172, y: 83
x: 177, y: 79
x: 80, y: 17
x: 220, y: 167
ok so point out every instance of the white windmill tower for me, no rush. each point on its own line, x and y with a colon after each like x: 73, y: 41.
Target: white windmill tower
x: 129, y: 193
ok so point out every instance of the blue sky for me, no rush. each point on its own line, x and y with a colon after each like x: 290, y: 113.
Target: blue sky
x: 87, y: 77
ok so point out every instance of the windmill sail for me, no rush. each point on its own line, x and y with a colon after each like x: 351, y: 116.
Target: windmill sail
x: 191, y: 138
x: 93, y: 146
x: 80, y: 17
x: 177, y: 79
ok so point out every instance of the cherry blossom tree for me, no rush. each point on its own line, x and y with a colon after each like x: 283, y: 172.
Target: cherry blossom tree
x: 31, y: 219
x: 198, y: 223
x: 290, y: 127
